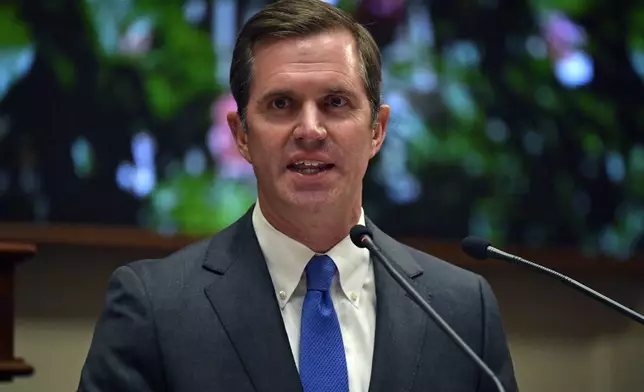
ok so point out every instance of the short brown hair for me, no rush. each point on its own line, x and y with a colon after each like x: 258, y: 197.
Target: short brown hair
x: 299, y: 18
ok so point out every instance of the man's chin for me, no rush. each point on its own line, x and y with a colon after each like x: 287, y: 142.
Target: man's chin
x: 311, y: 200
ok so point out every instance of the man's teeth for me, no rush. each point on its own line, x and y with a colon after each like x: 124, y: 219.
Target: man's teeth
x: 309, y: 167
x: 309, y: 163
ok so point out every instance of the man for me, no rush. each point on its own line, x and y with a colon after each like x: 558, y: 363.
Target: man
x: 282, y: 300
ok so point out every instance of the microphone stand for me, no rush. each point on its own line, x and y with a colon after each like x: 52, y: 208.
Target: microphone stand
x: 499, y: 254
x: 368, y: 243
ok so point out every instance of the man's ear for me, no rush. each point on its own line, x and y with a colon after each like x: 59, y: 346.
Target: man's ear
x: 380, y: 129
x: 239, y: 134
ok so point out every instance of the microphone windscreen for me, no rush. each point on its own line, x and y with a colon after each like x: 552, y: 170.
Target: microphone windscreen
x: 475, y: 247
x: 356, y: 234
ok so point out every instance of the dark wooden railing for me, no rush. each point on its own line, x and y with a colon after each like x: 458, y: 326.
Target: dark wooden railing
x: 130, y: 238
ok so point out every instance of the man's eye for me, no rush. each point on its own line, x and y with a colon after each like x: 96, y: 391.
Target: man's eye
x: 337, y: 102
x: 280, y: 103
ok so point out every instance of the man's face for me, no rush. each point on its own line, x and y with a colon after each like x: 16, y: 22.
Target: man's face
x: 309, y: 134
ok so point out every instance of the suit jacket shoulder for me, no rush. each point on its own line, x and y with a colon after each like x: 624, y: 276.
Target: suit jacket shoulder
x: 435, y: 274
x: 450, y: 275
x: 186, y: 265
x: 160, y: 329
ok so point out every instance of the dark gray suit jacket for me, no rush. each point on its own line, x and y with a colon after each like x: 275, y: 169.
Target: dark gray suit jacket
x: 206, y: 319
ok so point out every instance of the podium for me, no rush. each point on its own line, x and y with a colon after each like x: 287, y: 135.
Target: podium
x: 10, y: 255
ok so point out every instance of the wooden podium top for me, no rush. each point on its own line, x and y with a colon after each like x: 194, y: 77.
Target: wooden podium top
x: 11, y: 253
x: 16, y: 251
x: 16, y: 367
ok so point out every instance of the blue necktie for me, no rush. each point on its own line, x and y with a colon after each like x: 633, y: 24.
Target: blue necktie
x: 323, y: 365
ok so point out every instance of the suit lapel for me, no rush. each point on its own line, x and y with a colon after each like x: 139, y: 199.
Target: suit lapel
x: 400, y: 323
x: 243, y: 297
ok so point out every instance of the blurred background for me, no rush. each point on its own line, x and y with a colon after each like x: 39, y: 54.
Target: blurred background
x: 520, y: 121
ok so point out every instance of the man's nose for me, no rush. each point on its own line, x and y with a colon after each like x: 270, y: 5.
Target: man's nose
x: 310, y: 126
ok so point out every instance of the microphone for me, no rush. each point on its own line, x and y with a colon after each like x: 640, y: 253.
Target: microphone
x: 481, y: 249
x: 361, y: 237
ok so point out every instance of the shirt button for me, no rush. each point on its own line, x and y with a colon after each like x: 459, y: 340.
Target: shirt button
x: 354, y: 296
x: 282, y: 294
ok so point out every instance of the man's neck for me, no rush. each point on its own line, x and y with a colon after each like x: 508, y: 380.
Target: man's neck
x: 318, y: 229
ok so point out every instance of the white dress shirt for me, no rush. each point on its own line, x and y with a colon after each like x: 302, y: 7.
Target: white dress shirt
x: 353, y: 294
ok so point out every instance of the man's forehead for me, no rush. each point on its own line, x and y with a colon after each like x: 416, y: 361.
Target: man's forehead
x: 333, y: 46
x: 303, y: 40
x: 319, y: 62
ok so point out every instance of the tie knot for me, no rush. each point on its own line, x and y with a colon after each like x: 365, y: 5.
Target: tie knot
x: 319, y: 273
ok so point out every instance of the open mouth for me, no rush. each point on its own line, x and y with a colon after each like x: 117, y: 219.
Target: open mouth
x: 310, y: 167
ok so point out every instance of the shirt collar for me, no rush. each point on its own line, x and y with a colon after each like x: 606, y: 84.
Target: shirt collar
x: 287, y: 258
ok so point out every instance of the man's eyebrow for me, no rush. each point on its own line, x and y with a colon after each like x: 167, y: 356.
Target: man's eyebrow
x: 284, y: 92
x: 276, y: 94
x: 337, y: 90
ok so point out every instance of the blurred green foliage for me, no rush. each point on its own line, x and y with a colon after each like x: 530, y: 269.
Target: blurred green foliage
x: 12, y: 31
x: 499, y: 145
